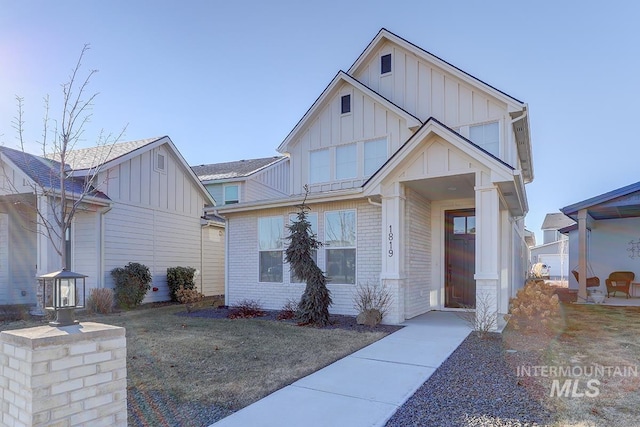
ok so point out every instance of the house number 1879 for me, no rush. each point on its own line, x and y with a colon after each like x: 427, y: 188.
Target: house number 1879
x: 390, y: 242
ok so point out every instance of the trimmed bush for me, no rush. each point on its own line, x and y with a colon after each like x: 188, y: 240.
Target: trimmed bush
x: 101, y: 300
x: 131, y: 284
x: 535, y: 306
x: 188, y: 297
x: 178, y: 277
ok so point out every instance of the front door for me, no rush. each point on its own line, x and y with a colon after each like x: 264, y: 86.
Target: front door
x: 460, y: 258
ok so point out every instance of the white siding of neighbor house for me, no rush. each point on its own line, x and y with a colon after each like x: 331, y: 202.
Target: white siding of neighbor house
x: 136, y: 181
x: 368, y: 120
x: 269, y: 183
x: 21, y: 257
x: 157, y: 239
x: 243, y: 257
x: 154, y: 220
x: 4, y: 259
x: 418, y: 254
x: 85, y: 247
x: 212, y: 280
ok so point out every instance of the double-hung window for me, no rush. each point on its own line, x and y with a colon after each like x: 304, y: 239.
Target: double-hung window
x: 340, y: 241
x: 486, y: 136
x: 313, y: 220
x: 231, y: 194
x: 270, y: 231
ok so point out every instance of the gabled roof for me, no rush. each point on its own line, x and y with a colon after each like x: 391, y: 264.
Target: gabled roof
x: 89, y: 158
x: 556, y: 221
x: 623, y: 202
x: 512, y: 189
x: 517, y: 109
x: 45, y: 172
x: 237, y: 169
x: 385, y: 35
x: 330, y: 90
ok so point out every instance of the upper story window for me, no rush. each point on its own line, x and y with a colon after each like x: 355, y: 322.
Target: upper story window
x: 270, y: 246
x: 486, y: 136
x: 385, y: 64
x: 345, y: 104
x: 319, y: 166
x: 375, y: 154
x: 346, y: 161
x: 231, y: 194
x: 160, y: 163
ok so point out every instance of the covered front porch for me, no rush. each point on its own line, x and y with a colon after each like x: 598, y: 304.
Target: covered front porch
x: 452, y: 231
x: 605, y: 244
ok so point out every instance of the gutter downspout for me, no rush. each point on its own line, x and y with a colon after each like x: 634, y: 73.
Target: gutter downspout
x: 371, y: 202
x: 103, y: 212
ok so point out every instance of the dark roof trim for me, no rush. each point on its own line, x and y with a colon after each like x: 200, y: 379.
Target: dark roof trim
x: 435, y: 56
x: 602, y: 198
x: 432, y: 119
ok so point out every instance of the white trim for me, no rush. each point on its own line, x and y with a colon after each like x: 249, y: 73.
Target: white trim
x: 355, y: 247
x: 224, y: 193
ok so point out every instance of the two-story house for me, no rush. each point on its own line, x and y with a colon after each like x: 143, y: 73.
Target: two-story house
x: 554, y: 250
x: 146, y: 206
x: 417, y: 174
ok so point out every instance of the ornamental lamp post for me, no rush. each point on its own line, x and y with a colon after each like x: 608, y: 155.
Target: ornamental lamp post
x: 60, y: 295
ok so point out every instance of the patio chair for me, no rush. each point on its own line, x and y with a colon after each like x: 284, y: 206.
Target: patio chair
x: 592, y: 282
x: 619, y: 281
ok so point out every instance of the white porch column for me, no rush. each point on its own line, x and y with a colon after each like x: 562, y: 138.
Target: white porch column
x: 392, y: 275
x: 582, y: 255
x: 487, y: 246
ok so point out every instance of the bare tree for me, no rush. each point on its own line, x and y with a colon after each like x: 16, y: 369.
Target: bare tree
x: 59, y: 190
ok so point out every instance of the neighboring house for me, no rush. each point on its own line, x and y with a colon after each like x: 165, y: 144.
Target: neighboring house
x: 235, y: 182
x: 146, y: 206
x: 529, y: 238
x: 416, y: 172
x: 606, y: 237
x: 554, y: 251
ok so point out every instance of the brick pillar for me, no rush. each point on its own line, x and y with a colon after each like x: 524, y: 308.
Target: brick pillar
x: 68, y: 376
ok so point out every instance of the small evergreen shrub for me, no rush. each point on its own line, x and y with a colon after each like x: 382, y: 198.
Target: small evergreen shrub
x: 131, y: 284
x: 188, y: 297
x: 535, y: 306
x: 180, y: 277
x: 246, y: 309
x: 101, y: 300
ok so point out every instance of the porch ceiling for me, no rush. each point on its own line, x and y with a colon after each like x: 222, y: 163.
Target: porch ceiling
x: 445, y: 188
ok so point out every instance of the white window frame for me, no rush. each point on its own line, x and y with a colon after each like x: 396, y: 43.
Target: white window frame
x: 329, y: 247
x: 292, y: 217
x: 278, y: 248
x: 224, y: 194
x: 483, y: 124
x: 157, y: 154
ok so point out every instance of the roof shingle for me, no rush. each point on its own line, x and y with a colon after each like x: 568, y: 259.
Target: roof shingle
x: 237, y: 169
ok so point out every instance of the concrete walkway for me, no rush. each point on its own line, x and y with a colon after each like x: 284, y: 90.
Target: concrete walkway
x: 365, y: 388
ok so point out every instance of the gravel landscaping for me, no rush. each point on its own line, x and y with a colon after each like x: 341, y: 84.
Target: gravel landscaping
x: 475, y: 386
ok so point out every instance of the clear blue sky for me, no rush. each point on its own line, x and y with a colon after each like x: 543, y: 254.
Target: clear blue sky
x: 228, y: 80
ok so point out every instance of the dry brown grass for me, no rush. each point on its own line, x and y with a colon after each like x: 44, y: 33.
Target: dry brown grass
x: 230, y: 363
x: 590, y: 335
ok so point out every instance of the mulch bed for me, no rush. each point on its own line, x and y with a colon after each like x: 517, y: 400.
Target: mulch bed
x: 336, y: 321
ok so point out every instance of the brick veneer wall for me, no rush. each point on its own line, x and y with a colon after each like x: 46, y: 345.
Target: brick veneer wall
x: 69, y: 376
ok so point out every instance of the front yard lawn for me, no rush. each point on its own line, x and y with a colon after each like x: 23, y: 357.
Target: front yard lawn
x: 191, y: 371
